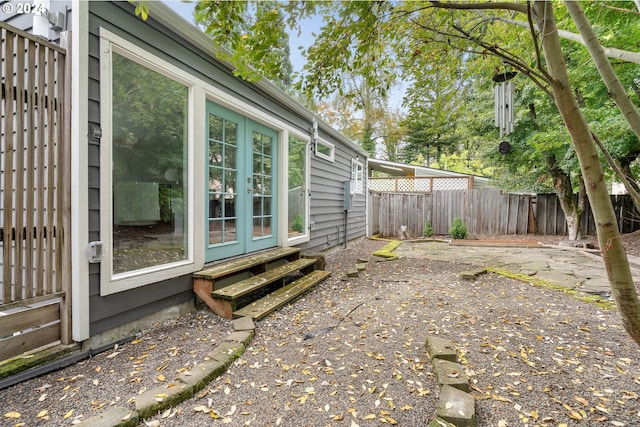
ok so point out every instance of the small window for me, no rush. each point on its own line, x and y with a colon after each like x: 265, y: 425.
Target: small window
x: 325, y: 150
x: 357, y: 176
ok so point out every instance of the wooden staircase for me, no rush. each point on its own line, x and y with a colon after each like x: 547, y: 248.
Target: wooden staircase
x: 258, y: 284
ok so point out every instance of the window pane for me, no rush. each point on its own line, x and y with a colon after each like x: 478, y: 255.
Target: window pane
x: 150, y: 167
x: 215, y: 179
x: 297, y: 187
x: 267, y: 142
x: 231, y: 132
x: 215, y: 128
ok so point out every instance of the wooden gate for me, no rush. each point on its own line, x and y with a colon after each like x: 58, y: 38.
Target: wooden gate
x: 35, y: 184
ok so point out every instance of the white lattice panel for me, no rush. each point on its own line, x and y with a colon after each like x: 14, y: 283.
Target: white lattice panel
x: 450, y: 184
x: 418, y: 184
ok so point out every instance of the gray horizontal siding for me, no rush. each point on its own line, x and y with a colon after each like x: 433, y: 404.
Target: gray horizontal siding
x: 327, y: 202
x: 156, y: 297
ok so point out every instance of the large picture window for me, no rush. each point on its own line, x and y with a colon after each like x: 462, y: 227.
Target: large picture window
x: 149, y: 135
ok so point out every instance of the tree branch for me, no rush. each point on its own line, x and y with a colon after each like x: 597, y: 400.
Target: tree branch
x: 534, y: 38
x: 611, y: 52
x: 516, y: 7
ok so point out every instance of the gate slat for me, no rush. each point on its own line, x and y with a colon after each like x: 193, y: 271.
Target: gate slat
x: 19, y: 171
x: 40, y: 146
x: 30, y: 184
x: 51, y: 161
x: 29, y: 318
x: 7, y: 243
x: 29, y: 340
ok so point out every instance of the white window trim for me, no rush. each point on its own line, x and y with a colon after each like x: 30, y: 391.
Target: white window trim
x: 330, y: 146
x: 80, y: 316
x: 297, y: 240
x: 357, y: 184
x: 110, y: 283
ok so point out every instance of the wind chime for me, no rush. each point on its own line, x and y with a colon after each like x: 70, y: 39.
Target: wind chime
x: 504, y: 106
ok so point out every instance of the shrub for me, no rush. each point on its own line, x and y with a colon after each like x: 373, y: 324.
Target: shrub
x: 427, y: 231
x: 297, y: 224
x: 458, y: 230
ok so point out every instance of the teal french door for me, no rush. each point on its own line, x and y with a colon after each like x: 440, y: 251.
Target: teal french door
x: 242, y: 186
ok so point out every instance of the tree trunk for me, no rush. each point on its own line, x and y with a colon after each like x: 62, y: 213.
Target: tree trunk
x: 613, y: 253
x: 616, y: 91
x: 564, y: 191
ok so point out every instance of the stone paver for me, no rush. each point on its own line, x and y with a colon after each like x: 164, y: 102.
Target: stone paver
x: 456, y: 407
x: 567, y: 267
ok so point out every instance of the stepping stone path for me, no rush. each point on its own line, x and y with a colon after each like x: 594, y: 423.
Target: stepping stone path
x: 456, y: 406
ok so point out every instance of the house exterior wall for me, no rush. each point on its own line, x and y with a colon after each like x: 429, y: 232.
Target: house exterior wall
x: 326, y: 178
x: 329, y: 224
x: 327, y: 203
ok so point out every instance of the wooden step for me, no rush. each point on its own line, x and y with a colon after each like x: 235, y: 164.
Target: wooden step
x: 246, y: 263
x: 244, y: 287
x: 270, y: 303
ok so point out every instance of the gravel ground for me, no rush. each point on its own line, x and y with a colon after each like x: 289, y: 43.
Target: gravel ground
x: 534, y: 357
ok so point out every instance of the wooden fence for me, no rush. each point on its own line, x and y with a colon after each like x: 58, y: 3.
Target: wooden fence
x: 34, y: 193
x: 484, y: 212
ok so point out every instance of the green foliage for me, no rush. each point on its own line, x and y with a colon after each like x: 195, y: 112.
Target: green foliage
x: 253, y: 36
x: 298, y: 224
x: 448, y: 57
x: 458, y: 230
x: 427, y: 231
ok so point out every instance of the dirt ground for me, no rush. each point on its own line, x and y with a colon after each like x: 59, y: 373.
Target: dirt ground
x: 534, y: 357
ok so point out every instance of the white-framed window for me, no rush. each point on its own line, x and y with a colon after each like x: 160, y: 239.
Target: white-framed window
x: 147, y: 193
x: 357, y: 176
x: 325, y: 150
x: 298, y: 173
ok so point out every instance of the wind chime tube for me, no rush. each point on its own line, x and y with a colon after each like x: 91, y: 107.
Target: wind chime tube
x: 509, y: 97
x: 505, y: 108
x: 500, y: 108
x: 497, y: 105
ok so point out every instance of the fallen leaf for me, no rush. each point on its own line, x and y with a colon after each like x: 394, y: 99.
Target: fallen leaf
x: 581, y: 400
x: 12, y: 414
